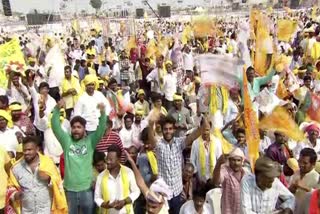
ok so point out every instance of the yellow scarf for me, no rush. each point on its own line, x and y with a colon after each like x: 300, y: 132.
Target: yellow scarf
x: 161, y: 73
x: 59, y: 202
x: 125, y: 188
x: 202, y: 155
x: 73, y: 83
x: 226, y: 146
x: 153, y: 162
x: 214, y: 99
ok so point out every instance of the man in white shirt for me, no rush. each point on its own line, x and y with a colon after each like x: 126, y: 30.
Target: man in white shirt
x: 188, y: 59
x: 116, y: 188
x: 8, y: 137
x: 156, y: 76
x: 212, y: 152
x: 260, y: 192
x: 126, y: 133
x: 169, y: 86
x: 17, y: 92
x: 197, y: 204
x: 86, y: 106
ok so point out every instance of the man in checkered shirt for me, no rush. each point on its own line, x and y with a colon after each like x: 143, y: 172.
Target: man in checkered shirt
x: 169, y: 155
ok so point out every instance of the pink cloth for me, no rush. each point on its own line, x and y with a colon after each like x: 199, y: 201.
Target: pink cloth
x: 231, y: 186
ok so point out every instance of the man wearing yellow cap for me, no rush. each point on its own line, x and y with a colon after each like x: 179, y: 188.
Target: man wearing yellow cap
x: 7, y: 135
x: 141, y: 103
x: 20, y: 120
x: 169, y: 85
x: 181, y: 115
x: 86, y: 106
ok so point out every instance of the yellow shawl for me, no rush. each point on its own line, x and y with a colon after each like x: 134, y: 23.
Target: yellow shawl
x: 202, y: 155
x: 74, y: 84
x: 125, y: 188
x: 214, y: 99
x: 153, y: 162
x: 59, y: 202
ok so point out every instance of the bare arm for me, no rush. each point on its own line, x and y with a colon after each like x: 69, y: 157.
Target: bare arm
x: 139, y: 179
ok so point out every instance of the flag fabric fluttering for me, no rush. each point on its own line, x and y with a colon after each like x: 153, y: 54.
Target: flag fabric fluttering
x: 312, y: 105
x: 280, y: 120
x: 220, y: 70
x: 251, y: 124
x: 10, y: 54
x: 286, y: 29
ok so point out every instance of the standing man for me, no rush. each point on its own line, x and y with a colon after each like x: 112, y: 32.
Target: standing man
x: 116, y: 187
x: 70, y: 90
x: 34, y: 178
x: 78, y: 151
x: 170, y: 158
x: 229, y: 176
x: 261, y: 191
x: 86, y: 107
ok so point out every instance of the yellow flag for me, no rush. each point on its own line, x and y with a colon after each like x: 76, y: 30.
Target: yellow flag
x: 251, y: 124
x: 97, y: 26
x: 263, y: 41
x: 131, y: 44
x: 280, y: 120
x: 75, y: 25
x: 314, y: 13
x: 11, y: 56
x: 286, y: 29
x: 203, y: 26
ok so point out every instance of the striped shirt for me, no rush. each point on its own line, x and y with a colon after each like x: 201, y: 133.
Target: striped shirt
x: 230, y: 182
x: 108, y: 139
x: 170, y: 159
x: 254, y: 200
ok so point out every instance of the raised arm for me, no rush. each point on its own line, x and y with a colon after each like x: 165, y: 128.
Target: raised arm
x: 62, y: 136
x: 139, y: 179
x: 101, y: 129
x: 196, y: 133
x: 264, y: 80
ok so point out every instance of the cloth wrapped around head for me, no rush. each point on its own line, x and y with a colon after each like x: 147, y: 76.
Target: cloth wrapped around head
x: 268, y: 167
x: 15, y: 107
x: 237, y: 152
x: 313, y: 127
x: 177, y: 97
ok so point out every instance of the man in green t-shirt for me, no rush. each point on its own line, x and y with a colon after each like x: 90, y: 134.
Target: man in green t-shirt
x: 78, y: 151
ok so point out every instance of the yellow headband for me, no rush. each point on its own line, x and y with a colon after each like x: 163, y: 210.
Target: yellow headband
x: 15, y: 107
x: 7, y: 117
x: 177, y: 97
x: 168, y: 62
x: 90, y: 78
x: 141, y: 91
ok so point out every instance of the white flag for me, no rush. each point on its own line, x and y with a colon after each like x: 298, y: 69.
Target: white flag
x: 219, y: 69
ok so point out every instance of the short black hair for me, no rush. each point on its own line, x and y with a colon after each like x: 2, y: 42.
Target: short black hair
x: 167, y: 120
x: 144, y: 135
x: 200, y: 192
x: 115, y: 148
x: 240, y: 131
x: 128, y: 116
x: 112, y: 81
x: 308, y: 152
x: 305, y: 78
x: 4, y: 99
x: 67, y: 67
x: 43, y: 85
x: 155, y: 97
x: 78, y: 119
x: 98, y: 156
x: 31, y: 139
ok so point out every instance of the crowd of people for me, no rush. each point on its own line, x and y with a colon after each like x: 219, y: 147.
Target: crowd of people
x: 129, y: 125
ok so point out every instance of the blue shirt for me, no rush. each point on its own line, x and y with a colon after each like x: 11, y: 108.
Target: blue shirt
x: 145, y: 168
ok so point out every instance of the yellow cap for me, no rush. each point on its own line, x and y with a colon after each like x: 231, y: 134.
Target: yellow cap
x: 177, y: 97
x: 140, y: 92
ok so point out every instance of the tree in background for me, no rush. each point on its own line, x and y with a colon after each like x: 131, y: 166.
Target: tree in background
x: 96, y: 4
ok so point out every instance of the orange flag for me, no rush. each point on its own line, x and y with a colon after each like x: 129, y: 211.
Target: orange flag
x: 280, y: 120
x: 250, y: 123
